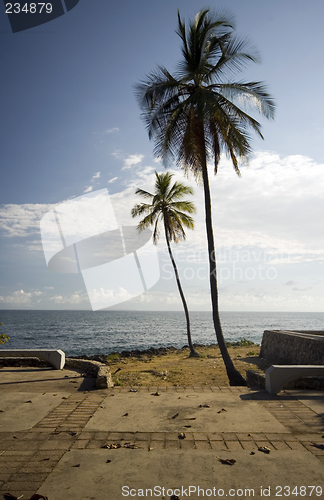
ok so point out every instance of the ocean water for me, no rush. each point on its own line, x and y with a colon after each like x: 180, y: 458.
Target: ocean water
x: 103, y: 332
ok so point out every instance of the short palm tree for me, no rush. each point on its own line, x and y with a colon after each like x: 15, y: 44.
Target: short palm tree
x: 197, y: 113
x: 168, y: 207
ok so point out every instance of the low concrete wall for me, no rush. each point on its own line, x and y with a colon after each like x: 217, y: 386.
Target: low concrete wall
x: 94, y: 368
x: 293, y: 347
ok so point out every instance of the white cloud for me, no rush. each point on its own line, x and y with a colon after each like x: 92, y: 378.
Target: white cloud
x: 96, y: 176
x: 22, y: 220
x: 88, y: 189
x: 19, y: 298
x: 112, y: 130
x: 74, y: 298
x: 112, y: 180
x: 132, y: 160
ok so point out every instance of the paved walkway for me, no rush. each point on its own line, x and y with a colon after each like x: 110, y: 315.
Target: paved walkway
x: 63, y: 439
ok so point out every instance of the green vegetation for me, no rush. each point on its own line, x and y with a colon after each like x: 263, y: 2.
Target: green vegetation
x: 197, y: 113
x: 241, y: 343
x: 168, y: 207
x: 3, y: 337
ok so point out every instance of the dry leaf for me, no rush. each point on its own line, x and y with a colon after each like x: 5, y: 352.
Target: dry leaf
x: 227, y: 461
x: 264, y: 449
x: 182, y: 435
x: 175, y: 416
x: 132, y: 446
x: 318, y: 446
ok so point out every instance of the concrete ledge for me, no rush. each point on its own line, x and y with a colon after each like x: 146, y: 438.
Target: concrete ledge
x: 55, y: 357
x: 278, y: 376
x: 94, y: 368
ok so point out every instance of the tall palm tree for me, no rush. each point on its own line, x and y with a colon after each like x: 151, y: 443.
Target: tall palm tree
x: 197, y: 113
x: 167, y: 206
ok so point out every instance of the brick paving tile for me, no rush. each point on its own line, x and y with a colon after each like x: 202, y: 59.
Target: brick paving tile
x: 142, y: 436
x: 234, y: 445
x: 55, y: 445
x: 229, y: 436
x: 34, y: 436
x: 258, y: 436
x: 95, y: 444
x: 249, y: 445
x: 203, y: 445
x: 321, y: 459
x: 41, y: 468
x: 86, y: 435
x: 276, y: 437
x: 243, y: 437
x: 317, y: 452
x: 187, y: 444
x: 128, y: 436
x: 307, y: 436
x: 280, y: 445
x: 157, y: 445
x: 71, y: 428
x: 111, y: 436
x: 52, y: 454
x: 26, y: 445
x: 216, y: 436
x: 172, y: 445
x: 172, y: 436
x: 46, y: 430
x: 157, y: 436
x: 295, y: 445
x: 16, y: 455
x: 6, y: 445
x: 80, y: 445
x: 218, y: 445
x: 21, y: 488
x: 32, y: 477
x: 201, y: 436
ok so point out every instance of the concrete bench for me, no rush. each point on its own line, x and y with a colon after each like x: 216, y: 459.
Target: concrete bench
x: 55, y: 357
x: 277, y: 376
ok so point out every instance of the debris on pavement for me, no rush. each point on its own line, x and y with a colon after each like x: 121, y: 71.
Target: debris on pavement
x: 227, y: 461
x: 264, y: 449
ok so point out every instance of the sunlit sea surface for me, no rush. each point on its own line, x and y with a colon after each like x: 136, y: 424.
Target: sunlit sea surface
x: 103, y: 332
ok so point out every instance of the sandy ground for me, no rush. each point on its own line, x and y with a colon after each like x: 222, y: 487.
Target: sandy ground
x: 176, y: 368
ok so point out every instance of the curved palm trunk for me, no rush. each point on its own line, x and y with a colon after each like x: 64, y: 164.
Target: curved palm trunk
x: 193, y: 353
x: 234, y: 376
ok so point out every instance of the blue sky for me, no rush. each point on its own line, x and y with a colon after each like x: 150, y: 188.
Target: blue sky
x: 70, y: 124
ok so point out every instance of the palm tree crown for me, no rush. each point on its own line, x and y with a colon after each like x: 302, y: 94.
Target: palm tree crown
x: 194, y: 113
x: 166, y: 206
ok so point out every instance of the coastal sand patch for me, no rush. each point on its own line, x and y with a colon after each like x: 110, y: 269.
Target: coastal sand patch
x: 176, y: 368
